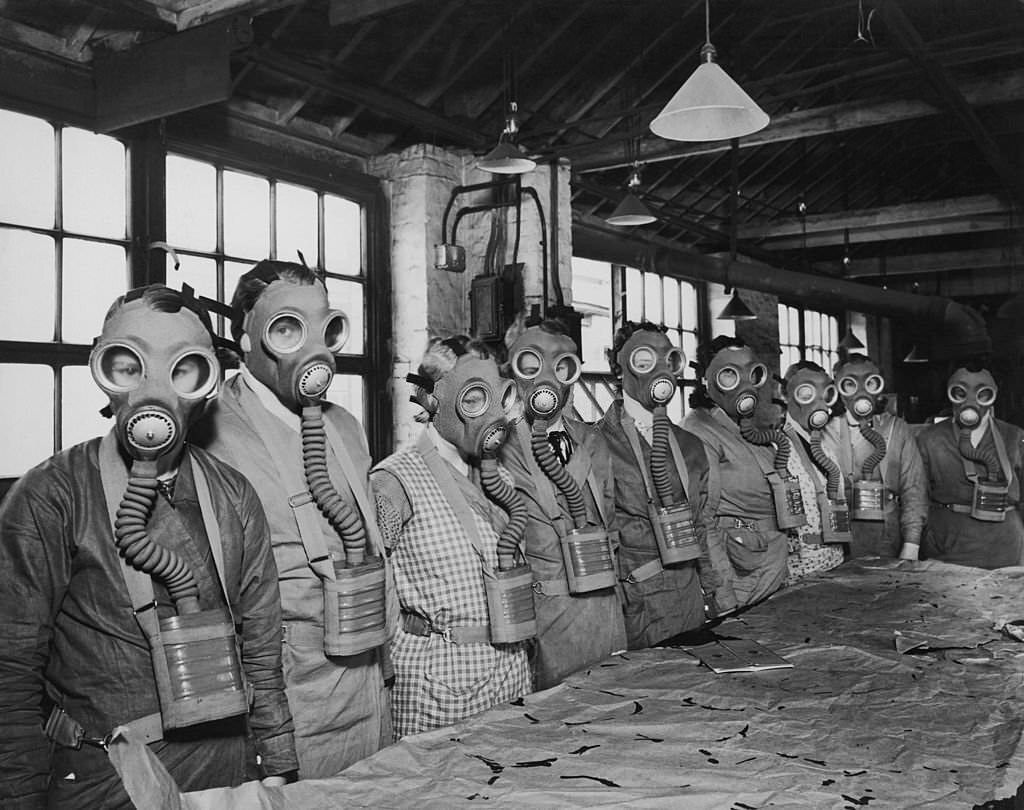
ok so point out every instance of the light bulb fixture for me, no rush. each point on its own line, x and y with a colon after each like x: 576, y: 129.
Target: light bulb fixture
x: 709, y: 106
x: 508, y: 157
x: 736, y: 310
x: 915, y: 356
x: 631, y: 210
x: 850, y: 341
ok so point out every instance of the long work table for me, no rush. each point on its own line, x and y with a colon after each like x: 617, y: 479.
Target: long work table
x: 904, y: 692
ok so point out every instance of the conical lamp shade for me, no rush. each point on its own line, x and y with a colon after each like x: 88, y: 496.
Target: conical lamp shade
x: 710, y: 106
x: 736, y: 310
x: 631, y: 211
x: 915, y: 356
x: 850, y: 341
x: 506, y: 158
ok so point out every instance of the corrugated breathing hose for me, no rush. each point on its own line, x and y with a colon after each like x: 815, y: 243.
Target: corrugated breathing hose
x: 833, y: 475
x: 141, y: 551
x: 554, y: 470
x: 769, y: 436
x: 660, y: 456
x: 504, y: 494
x: 314, y: 460
x: 987, y: 458
x: 877, y: 440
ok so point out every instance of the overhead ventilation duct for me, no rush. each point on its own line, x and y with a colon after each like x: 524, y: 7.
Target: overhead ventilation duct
x: 958, y: 330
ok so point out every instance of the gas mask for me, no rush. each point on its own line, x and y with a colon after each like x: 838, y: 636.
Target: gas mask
x: 473, y: 402
x: 860, y: 383
x: 650, y: 365
x: 734, y: 379
x: 972, y: 394
x: 545, y: 366
x: 810, y: 396
x: 159, y: 370
x: 291, y: 337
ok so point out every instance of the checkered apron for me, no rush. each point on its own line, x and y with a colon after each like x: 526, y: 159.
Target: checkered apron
x: 807, y: 553
x: 438, y: 576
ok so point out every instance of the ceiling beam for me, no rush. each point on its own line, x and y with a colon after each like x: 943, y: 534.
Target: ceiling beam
x: 924, y: 263
x: 377, y: 99
x: 1003, y: 88
x: 942, y: 82
x: 34, y: 39
x: 343, y: 12
x: 197, y: 13
x: 944, y: 211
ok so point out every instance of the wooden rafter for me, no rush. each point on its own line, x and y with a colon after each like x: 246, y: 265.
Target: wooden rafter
x: 918, y: 264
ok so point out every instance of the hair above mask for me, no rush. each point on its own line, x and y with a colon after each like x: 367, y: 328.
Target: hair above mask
x: 439, y: 359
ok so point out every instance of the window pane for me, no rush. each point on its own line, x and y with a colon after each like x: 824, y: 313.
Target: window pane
x: 93, y: 276
x: 27, y: 297
x: 191, y: 203
x: 794, y: 325
x: 592, y: 296
x: 343, y: 232
x: 94, y: 183
x: 688, y: 315
x: 26, y: 434
x: 246, y: 216
x: 348, y: 297
x: 81, y: 400
x: 296, y: 224
x: 198, y: 272
x: 27, y: 170
x: 652, y: 297
x: 634, y: 295
x: 347, y: 390
x: 783, y: 325
x: 670, y: 297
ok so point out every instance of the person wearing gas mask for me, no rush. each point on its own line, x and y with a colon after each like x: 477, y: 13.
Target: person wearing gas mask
x: 973, y: 465
x: 308, y: 460
x: 667, y: 566
x: 453, y: 526
x: 562, y: 471
x: 818, y: 545
x: 126, y: 565
x: 753, y: 498
x: 881, y: 465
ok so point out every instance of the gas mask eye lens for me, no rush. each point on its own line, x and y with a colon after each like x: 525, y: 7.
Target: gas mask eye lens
x: 804, y: 394
x: 285, y: 333
x: 957, y: 393
x: 336, y: 332
x: 642, y: 359
x: 986, y: 396
x: 473, y: 400
x: 121, y: 368
x: 847, y: 386
x: 728, y: 378
x: 874, y: 384
x: 675, y: 361
x: 758, y: 374
x: 831, y: 395
x: 567, y: 369
x: 192, y: 375
x: 527, y: 364
x: 509, y: 397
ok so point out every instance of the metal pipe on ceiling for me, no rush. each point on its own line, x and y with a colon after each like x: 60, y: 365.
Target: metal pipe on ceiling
x: 958, y: 329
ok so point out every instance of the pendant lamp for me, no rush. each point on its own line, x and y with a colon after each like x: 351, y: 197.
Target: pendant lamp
x: 915, y: 356
x: 632, y: 210
x: 709, y: 106
x: 736, y: 310
x: 850, y: 341
x: 508, y: 157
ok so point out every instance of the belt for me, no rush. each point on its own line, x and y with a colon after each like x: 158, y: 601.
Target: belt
x: 302, y: 633
x: 959, y: 508
x: 644, y: 572
x: 62, y: 729
x: 454, y: 634
x: 733, y: 522
x: 551, y: 587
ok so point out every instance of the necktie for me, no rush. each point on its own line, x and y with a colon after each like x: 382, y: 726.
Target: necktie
x: 561, y: 444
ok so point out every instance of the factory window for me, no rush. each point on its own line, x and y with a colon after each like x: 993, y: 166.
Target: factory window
x: 609, y: 294
x: 63, y: 259
x: 807, y: 335
x: 221, y: 221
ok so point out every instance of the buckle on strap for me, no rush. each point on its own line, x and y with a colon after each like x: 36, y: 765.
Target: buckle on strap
x: 300, y: 499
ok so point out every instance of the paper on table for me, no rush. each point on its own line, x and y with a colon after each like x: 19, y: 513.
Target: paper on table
x: 739, y: 655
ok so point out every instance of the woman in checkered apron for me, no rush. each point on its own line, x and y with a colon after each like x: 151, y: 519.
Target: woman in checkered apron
x: 444, y: 534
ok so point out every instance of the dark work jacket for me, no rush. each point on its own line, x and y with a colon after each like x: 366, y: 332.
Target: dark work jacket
x: 671, y: 601
x: 572, y: 631
x: 69, y: 631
